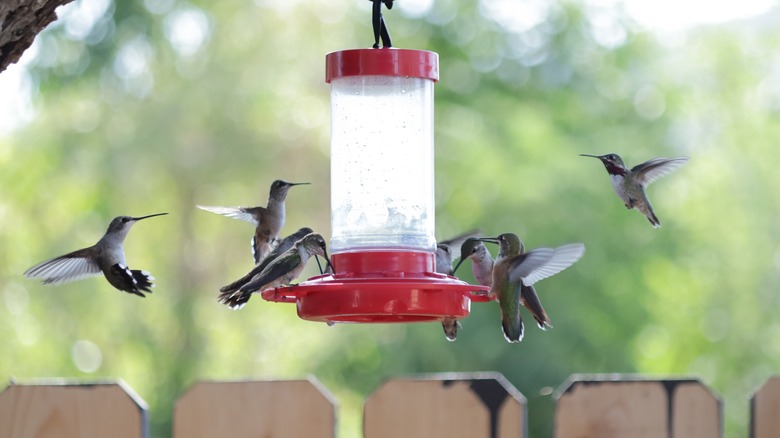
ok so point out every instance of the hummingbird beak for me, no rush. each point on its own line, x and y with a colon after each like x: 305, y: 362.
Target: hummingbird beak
x: 600, y: 157
x: 488, y: 239
x: 151, y: 215
x: 327, y: 260
x: 297, y: 184
x: 457, y: 266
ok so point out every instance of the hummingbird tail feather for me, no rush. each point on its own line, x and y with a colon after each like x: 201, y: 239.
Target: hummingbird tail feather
x: 130, y: 280
x: 232, y: 287
x: 234, y: 299
x: 531, y: 302
x: 647, y: 210
x: 513, y: 332
x: 143, y: 280
x: 542, y: 320
x: 450, y: 326
x: 653, y: 219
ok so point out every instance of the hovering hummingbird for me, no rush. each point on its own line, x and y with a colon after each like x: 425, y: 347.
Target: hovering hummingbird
x: 107, y: 256
x: 514, y: 273
x: 280, y: 271
x: 268, y: 220
x: 284, y: 245
x: 481, y: 261
x: 444, y: 259
x: 630, y: 185
x: 482, y: 268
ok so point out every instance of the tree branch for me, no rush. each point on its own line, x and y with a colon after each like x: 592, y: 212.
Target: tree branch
x: 20, y: 22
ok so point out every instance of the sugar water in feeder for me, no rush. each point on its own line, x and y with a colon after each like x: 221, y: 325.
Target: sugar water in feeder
x: 382, y: 150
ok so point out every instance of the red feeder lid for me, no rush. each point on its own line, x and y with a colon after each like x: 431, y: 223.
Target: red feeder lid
x: 381, y: 286
x: 382, y: 62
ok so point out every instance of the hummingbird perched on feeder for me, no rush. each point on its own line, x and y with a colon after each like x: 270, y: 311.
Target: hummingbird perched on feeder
x: 107, y: 256
x: 268, y: 220
x: 630, y: 185
x: 283, y: 246
x: 514, y: 274
x: 481, y: 267
x: 481, y: 261
x: 444, y: 257
x: 280, y: 271
x: 445, y: 251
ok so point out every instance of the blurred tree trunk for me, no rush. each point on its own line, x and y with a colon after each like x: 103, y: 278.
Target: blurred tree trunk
x: 20, y: 22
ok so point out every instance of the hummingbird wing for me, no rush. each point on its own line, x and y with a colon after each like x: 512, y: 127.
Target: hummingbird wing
x: 279, y: 267
x: 443, y: 259
x: 457, y: 241
x: 69, y: 267
x: 541, y: 263
x: 531, y: 302
x: 285, y: 245
x: 247, y: 214
x: 522, y: 265
x: 281, y: 247
x: 656, y: 168
x: 236, y: 285
x: 237, y: 294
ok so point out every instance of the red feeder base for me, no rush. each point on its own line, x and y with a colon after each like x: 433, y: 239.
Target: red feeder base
x: 381, y: 286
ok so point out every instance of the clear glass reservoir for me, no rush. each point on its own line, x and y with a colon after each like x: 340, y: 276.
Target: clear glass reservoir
x: 382, y: 185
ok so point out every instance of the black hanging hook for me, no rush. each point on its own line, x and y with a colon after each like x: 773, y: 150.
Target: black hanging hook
x: 380, y: 28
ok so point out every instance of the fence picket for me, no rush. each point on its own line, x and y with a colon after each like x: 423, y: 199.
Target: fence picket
x: 285, y: 408
x: 608, y: 406
x: 765, y: 410
x: 446, y: 405
x: 72, y: 410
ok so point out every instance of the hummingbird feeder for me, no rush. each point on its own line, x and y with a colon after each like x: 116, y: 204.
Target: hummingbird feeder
x: 382, y: 194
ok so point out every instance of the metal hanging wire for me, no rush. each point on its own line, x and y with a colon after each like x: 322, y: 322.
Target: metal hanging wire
x: 380, y: 28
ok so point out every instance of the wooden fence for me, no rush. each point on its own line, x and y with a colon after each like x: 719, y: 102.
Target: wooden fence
x: 438, y: 405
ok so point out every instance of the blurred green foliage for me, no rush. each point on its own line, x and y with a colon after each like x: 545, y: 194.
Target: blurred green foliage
x: 157, y: 105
